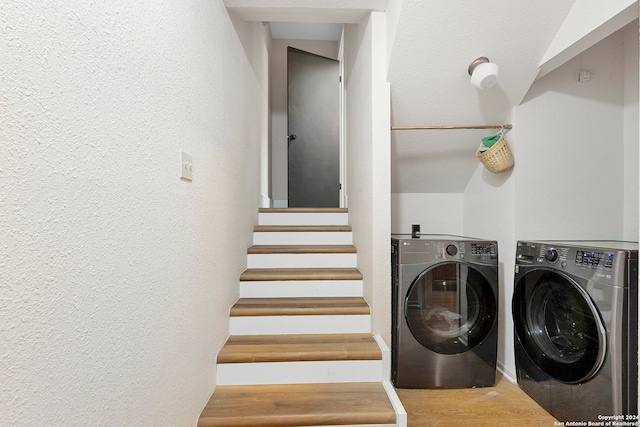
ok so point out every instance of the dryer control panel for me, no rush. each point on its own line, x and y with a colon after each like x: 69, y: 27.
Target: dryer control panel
x: 413, y: 251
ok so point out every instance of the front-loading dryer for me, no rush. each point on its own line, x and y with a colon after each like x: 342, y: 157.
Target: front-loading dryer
x: 445, y: 311
x: 575, y: 319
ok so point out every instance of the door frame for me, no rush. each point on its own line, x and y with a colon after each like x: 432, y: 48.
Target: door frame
x: 343, y: 128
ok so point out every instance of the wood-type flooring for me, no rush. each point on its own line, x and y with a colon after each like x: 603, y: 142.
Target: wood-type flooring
x: 502, y: 405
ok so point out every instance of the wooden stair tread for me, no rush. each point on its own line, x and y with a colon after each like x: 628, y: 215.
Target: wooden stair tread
x: 297, y: 348
x: 303, y: 210
x: 298, y: 405
x: 268, y: 274
x: 302, y: 249
x: 299, y: 306
x: 302, y: 228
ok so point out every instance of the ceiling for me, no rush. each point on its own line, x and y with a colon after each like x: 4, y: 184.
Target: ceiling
x: 322, y: 11
x: 434, y: 43
x: 306, y: 31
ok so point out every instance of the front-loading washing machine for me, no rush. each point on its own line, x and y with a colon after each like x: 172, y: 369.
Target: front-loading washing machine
x: 445, y: 311
x: 575, y: 318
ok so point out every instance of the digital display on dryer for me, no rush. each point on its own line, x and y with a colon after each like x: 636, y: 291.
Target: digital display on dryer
x: 596, y: 260
x: 483, y: 249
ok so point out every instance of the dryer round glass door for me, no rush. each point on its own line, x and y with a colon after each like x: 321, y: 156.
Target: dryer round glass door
x: 559, y: 326
x: 450, y: 308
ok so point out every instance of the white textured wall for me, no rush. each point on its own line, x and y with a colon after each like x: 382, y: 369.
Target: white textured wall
x: 489, y: 213
x: 117, y: 276
x: 570, y: 150
x: 436, y: 213
x: 368, y: 161
x: 279, y: 124
x: 631, y: 133
x: 393, y: 12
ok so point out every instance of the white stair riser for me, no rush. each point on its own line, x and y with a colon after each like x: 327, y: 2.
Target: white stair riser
x: 324, y: 324
x: 304, y: 218
x: 303, y: 238
x: 301, y: 288
x: 302, y: 260
x: 334, y: 371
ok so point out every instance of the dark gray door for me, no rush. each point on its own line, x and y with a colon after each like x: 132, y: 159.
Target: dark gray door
x: 314, y: 130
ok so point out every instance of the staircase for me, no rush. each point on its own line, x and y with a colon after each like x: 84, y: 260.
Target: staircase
x: 300, y: 350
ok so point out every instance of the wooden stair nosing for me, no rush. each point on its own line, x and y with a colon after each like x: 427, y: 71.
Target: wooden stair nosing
x: 303, y: 306
x: 271, y: 274
x: 299, y: 348
x: 288, y: 405
x: 302, y: 249
x: 302, y: 228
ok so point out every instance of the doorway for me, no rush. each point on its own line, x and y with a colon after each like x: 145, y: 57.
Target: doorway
x: 331, y: 48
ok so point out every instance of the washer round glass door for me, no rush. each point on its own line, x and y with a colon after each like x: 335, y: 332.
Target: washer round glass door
x: 559, y: 326
x: 450, y: 308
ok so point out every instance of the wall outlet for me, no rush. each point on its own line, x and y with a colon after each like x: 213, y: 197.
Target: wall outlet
x: 186, y: 166
x: 583, y: 77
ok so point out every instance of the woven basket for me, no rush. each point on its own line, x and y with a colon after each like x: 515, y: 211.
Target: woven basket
x: 498, y: 158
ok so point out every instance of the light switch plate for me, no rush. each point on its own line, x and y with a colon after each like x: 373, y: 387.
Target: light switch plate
x: 186, y: 166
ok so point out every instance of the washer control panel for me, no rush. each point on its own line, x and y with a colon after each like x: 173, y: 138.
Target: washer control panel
x: 594, y: 259
x: 601, y: 264
x: 546, y: 254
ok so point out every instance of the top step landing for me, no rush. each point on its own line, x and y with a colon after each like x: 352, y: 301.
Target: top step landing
x: 303, y: 210
x: 303, y: 216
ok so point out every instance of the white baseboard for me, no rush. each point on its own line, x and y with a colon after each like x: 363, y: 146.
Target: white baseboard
x: 511, y: 376
x: 386, y: 357
x: 401, y: 413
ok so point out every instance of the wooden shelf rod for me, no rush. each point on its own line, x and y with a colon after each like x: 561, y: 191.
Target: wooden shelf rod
x: 505, y: 126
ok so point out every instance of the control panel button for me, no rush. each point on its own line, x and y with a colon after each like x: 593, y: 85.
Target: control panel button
x: 551, y: 255
x: 452, y: 250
